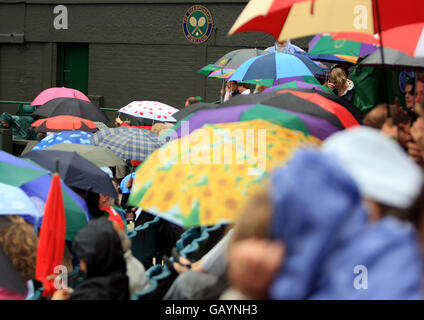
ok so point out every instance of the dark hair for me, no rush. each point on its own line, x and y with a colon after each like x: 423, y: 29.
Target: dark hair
x: 410, y: 82
x: 192, y: 100
x: 244, y: 85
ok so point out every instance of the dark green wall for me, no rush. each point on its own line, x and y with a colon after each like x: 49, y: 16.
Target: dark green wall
x: 137, y: 49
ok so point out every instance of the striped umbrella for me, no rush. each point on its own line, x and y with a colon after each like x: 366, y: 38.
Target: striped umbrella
x: 299, y: 85
x: 323, y: 45
x: 267, y: 68
x: 215, y: 72
x: 128, y: 143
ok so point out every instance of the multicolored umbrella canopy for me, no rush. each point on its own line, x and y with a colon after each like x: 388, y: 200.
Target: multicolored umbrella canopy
x: 150, y: 110
x: 267, y: 68
x: 204, y: 178
x: 58, y: 92
x: 72, y: 107
x: 128, y: 143
x: 64, y: 123
x: 291, y: 19
x: 215, y: 72
x: 340, y: 112
x: 307, y: 124
x: 35, y: 182
x: 78, y: 137
x: 323, y: 45
x: 299, y: 85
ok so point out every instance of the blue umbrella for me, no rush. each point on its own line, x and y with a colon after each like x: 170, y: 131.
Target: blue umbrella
x: 267, y: 68
x: 79, y: 137
x: 13, y: 201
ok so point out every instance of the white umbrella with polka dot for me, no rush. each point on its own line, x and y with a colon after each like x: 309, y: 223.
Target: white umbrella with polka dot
x: 153, y: 110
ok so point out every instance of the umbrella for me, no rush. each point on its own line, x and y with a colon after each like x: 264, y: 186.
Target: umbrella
x: 340, y: 112
x: 51, y: 241
x: 101, y: 157
x: 13, y: 201
x: 10, y: 279
x: 184, y: 112
x: 235, y: 58
x: 75, y: 170
x: 324, y: 45
x: 309, y: 125
x: 71, y: 107
x: 58, y: 92
x: 128, y: 143
x: 395, y: 60
x: 299, y: 85
x: 63, y: 123
x: 298, y: 18
x: 215, y: 72
x: 35, y: 182
x: 407, y: 38
x: 124, y: 181
x: 76, y: 137
x: 274, y: 66
x: 150, y: 110
x: 192, y: 181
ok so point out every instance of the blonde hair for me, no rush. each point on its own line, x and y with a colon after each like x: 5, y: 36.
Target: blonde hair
x: 338, y: 77
x: 19, y: 242
x: 159, y: 128
x: 255, y: 217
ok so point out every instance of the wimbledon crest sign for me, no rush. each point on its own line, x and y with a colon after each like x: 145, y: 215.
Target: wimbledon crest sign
x: 197, y: 24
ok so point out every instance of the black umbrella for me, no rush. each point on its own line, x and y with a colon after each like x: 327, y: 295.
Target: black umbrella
x: 193, y: 108
x: 73, y: 107
x: 395, y: 60
x: 9, y: 276
x: 75, y: 170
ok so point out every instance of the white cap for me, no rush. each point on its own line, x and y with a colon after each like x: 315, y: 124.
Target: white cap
x: 380, y: 167
x: 108, y: 171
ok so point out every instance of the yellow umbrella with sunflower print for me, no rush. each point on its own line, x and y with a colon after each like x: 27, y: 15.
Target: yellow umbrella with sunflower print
x: 205, y: 177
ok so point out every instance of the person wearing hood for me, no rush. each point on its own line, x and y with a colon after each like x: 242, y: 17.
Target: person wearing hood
x: 99, y: 249
x: 19, y: 125
x: 324, y: 229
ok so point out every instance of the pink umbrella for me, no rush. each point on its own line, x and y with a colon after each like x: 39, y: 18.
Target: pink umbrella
x: 58, y: 92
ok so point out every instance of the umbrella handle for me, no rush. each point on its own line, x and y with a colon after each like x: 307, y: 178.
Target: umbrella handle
x: 57, y: 166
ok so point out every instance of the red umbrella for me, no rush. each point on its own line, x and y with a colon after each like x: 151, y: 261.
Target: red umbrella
x: 62, y: 123
x: 58, y: 92
x: 51, y: 242
x: 289, y: 19
x: 408, y: 38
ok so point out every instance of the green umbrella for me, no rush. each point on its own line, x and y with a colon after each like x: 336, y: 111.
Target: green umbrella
x: 100, y: 156
x: 300, y: 85
x: 35, y: 182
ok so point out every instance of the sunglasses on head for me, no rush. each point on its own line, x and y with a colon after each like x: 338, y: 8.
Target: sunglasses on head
x: 411, y: 92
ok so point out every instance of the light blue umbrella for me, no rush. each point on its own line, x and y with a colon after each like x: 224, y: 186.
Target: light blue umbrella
x: 267, y: 68
x: 13, y: 201
x: 75, y: 136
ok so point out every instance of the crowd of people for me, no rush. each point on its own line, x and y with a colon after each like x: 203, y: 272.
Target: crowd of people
x: 344, y: 220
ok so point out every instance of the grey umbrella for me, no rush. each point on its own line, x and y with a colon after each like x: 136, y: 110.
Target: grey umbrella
x: 234, y: 59
x: 395, y: 60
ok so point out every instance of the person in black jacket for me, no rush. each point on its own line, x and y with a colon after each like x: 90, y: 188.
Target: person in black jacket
x: 99, y: 249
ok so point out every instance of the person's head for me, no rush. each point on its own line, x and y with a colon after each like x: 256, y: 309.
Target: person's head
x: 409, y: 93
x: 190, y: 101
x: 419, y: 97
x: 389, y: 181
x: 337, y: 79
x: 99, y: 249
x: 376, y: 117
x: 19, y: 242
x: 232, y: 86
x: 243, y: 87
x: 5, y: 119
x: 260, y: 88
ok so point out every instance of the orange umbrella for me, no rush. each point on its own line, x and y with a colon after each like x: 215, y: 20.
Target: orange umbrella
x: 63, y: 123
x: 51, y: 242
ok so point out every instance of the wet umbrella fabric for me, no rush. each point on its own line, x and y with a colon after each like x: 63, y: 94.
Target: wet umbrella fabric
x: 72, y: 107
x: 75, y: 170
